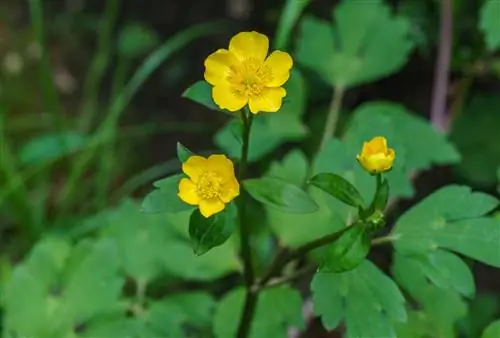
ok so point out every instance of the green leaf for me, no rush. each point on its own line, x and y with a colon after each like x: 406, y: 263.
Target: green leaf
x: 269, y: 131
x: 474, y: 130
x: 207, y: 233
x: 164, y: 199
x: 482, y: 311
x: 451, y: 218
x: 368, y: 301
x: 201, y: 92
x: 297, y: 229
x: 444, y: 306
x: 92, y: 285
x: 338, y: 187
x: 136, y: 40
x: 279, y: 194
x: 140, y: 239
x: 348, y: 53
x: 289, y: 16
x: 348, y: 251
x: 183, y: 153
x: 51, y: 147
x: 490, y: 23
x: 285, y: 302
x: 170, y: 317
x: 492, y: 331
x: 29, y: 308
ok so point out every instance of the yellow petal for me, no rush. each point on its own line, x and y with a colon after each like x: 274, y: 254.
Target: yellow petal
x: 279, y: 64
x: 187, y: 192
x: 221, y: 164
x: 218, y: 67
x: 194, y: 167
x: 246, y: 45
x: 230, y: 190
x: 211, y: 207
x: 227, y: 98
x: 270, y: 100
x: 378, y: 144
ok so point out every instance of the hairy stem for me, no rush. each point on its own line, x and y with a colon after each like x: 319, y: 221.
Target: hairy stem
x: 440, y: 89
x: 248, y: 273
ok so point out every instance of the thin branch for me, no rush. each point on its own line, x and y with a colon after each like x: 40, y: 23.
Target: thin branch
x: 438, y: 109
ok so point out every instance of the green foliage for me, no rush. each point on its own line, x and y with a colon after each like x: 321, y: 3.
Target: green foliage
x: 201, y: 92
x: 51, y: 147
x: 451, y: 218
x: 277, y: 309
x: 490, y: 23
x: 492, y: 331
x: 348, y: 251
x: 350, y: 52
x: 368, y: 301
x: 59, y: 288
x: 472, y: 133
x: 164, y: 198
x: 270, y: 130
x: 136, y: 39
x: 433, y: 283
x: 183, y: 153
x: 338, y: 187
x: 279, y: 194
x: 207, y: 233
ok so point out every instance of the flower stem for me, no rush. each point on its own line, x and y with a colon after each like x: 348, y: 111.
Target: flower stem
x: 248, y: 273
x: 333, y: 116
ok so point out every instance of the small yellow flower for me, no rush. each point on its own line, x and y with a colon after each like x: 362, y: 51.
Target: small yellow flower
x: 375, y: 157
x: 211, y: 183
x: 244, y: 75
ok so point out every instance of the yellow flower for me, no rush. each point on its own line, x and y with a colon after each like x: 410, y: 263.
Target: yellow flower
x: 211, y: 183
x: 243, y: 75
x: 375, y: 157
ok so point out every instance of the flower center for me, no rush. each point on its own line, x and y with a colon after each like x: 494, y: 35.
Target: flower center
x: 209, y: 185
x: 250, y: 77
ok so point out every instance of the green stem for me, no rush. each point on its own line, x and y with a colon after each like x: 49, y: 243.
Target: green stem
x: 286, y: 257
x: 333, y: 116
x: 248, y: 273
x: 98, y: 66
x: 51, y: 98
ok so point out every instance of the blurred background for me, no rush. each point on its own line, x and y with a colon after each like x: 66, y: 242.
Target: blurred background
x: 73, y: 69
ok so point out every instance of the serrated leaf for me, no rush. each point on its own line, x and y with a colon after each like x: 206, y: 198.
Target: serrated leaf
x: 365, y: 43
x: 451, y: 218
x: 338, y: 187
x: 136, y: 39
x: 279, y: 194
x: 472, y: 133
x: 444, y: 306
x: 490, y: 23
x: 169, y: 317
x: 285, y: 302
x: 207, y: 233
x: 269, y: 131
x: 183, y: 153
x: 51, y: 147
x: 93, y: 286
x: 140, y: 239
x: 201, y: 92
x: 348, y: 251
x: 165, y: 199
x: 368, y: 301
x: 492, y: 331
x: 30, y: 307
